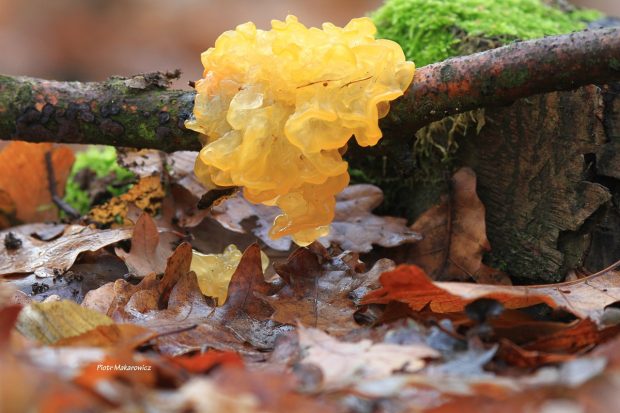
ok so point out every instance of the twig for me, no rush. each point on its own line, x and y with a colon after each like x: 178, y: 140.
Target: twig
x: 51, y: 181
x: 138, y: 113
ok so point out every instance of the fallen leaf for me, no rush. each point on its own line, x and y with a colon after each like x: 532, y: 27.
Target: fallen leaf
x: 175, y: 303
x: 116, y: 336
x: 43, y: 257
x: 411, y: 285
x: 345, y: 364
x: 121, y: 375
x: 7, y: 210
x: 319, y: 291
x: 8, y: 317
x: 90, y: 271
x: 202, y: 363
x: 234, y: 390
x: 585, y: 298
x: 24, y: 178
x: 455, y: 236
x: 147, y: 195
x: 214, y: 271
x: 354, y: 227
x: 181, y: 165
x: 148, y: 252
x: 52, y: 321
x: 142, y: 162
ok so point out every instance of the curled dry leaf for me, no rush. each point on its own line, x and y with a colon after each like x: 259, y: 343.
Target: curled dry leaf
x: 149, y: 251
x: 43, y: 257
x: 455, y: 236
x: 409, y: 284
x: 24, y: 178
x: 345, y: 364
x: 318, y: 290
x: 354, y: 227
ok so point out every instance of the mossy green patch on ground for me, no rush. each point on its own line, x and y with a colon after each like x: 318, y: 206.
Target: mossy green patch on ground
x: 102, y: 161
x: 432, y: 30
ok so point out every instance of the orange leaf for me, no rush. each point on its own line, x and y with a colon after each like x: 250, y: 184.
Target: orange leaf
x: 411, y: 285
x: 24, y: 177
x: 585, y: 298
x: 201, y: 363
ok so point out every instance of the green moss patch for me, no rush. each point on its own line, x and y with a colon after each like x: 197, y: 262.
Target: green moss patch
x: 102, y: 161
x: 430, y: 31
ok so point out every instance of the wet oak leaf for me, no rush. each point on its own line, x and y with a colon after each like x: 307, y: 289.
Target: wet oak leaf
x: 242, y: 324
x: 24, y: 178
x: 318, y: 292
x: 43, y: 257
x: 346, y: 364
x: 455, y: 237
x: 149, y: 251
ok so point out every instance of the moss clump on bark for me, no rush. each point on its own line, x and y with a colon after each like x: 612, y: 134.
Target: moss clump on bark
x: 433, y: 30
x: 429, y: 31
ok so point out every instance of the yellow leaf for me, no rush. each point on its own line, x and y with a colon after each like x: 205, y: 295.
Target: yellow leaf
x: 214, y: 271
x: 56, y: 320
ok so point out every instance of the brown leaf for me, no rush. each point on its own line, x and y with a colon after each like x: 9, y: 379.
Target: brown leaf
x: 42, y: 257
x: 8, y: 317
x: 585, y: 298
x: 354, y: 227
x: 241, y: 324
x: 146, y: 195
x: 345, y: 364
x: 317, y: 291
x: 454, y: 234
x: 148, y: 252
x: 24, y: 178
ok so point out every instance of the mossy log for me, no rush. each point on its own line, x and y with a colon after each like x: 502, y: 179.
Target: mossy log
x: 547, y: 164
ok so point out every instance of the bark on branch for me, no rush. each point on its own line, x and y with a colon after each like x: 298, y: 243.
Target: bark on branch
x: 141, y: 112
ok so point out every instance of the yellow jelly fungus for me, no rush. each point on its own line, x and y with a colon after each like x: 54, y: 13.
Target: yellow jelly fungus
x: 214, y: 271
x: 276, y: 108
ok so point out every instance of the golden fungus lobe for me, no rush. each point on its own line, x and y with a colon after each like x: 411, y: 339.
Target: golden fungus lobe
x: 276, y: 106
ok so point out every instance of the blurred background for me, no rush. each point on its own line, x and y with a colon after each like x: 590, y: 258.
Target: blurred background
x: 93, y: 39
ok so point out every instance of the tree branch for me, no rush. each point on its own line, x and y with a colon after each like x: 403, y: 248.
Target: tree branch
x: 140, y: 112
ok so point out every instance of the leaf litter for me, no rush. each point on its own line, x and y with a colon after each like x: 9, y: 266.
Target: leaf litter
x: 314, y: 330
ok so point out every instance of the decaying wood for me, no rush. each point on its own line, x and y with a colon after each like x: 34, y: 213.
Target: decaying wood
x: 140, y: 112
x: 540, y: 165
